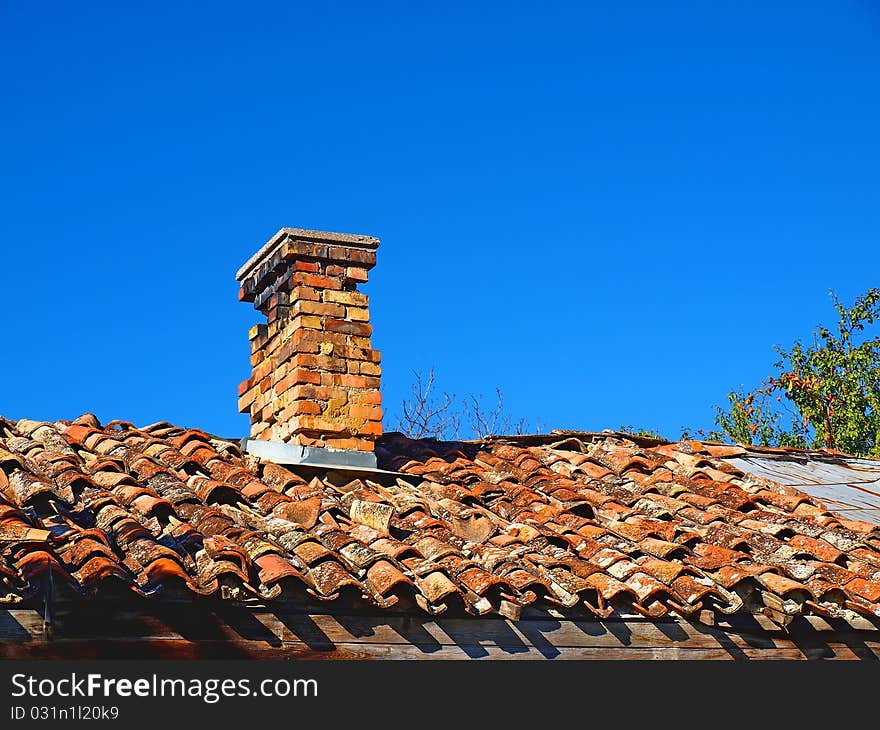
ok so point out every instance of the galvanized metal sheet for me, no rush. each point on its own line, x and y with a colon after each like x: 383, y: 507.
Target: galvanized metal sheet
x: 284, y: 453
x: 846, y: 485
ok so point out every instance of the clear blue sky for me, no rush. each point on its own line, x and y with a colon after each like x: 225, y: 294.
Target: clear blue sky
x: 610, y: 210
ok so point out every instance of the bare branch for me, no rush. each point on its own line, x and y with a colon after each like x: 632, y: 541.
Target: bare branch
x: 491, y: 422
x: 427, y: 415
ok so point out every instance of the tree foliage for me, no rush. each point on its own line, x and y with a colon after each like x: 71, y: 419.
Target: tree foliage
x: 825, y: 394
x: 638, y: 431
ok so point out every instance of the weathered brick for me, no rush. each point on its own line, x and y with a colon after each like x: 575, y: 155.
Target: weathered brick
x: 315, y: 377
x: 320, y: 424
x: 357, y: 329
x: 318, y: 308
x: 310, y: 341
x: 367, y: 259
x: 268, y: 413
x: 356, y: 381
x: 317, y: 393
x: 302, y: 376
x: 261, y: 371
x: 259, y: 401
x: 367, y: 397
x: 357, y: 314
x: 351, y: 352
x: 279, y: 299
x: 356, y: 273
x: 370, y: 368
x: 372, y: 428
x: 300, y: 293
x: 351, y: 443
x: 319, y: 362
x: 298, y: 248
x: 306, y: 321
x: 316, y: 281
x: 368, y: 413
x: 362, y: 342
x: 259, y: 430
x: 257, y: 331
x: 275, y: 313
x: 300, y: 408
x: 245, y: 401
x: 348, y: 298
x: 298, y: 376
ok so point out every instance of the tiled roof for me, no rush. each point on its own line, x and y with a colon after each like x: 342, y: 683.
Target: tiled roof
x: 580, y: 525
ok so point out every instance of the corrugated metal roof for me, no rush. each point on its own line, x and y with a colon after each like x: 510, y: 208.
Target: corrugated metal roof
x: 847, y: 485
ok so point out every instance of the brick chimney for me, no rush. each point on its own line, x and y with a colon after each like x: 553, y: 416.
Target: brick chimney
x: 315, y: 379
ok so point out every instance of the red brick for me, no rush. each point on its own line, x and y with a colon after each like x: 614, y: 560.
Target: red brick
x: 260, y: 431
x: 351, y: 443
x: 319, y: 362
x: 361, y: 256
x: 304, y: 440
x: 316, y: 281
x: 355, y: 273
x: 298, y: 249
x: 247, y: 400
x: 367, y: 397
x: 300, y: 408
x: 372, y: 428
x: 311, y: 266
x: 261, y: 371
x: 273, y: 314
x: 309, y: 341
x: 301, y: 376
x: 356, y: 381
x: 320, y: 424
x: 368, y: 413
x: 317, y: 393
x: 362, y: 342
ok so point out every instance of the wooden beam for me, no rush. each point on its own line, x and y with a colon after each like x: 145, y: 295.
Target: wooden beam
x: 195, y: 629
x: 178, y: 649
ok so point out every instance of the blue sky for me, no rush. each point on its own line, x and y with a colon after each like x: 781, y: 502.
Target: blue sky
x: 611, y: 211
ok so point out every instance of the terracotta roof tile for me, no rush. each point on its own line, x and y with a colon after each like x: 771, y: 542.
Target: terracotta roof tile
x: 585, y: 527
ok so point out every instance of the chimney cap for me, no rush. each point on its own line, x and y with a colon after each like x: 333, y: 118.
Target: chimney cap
x: 353, y: 240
